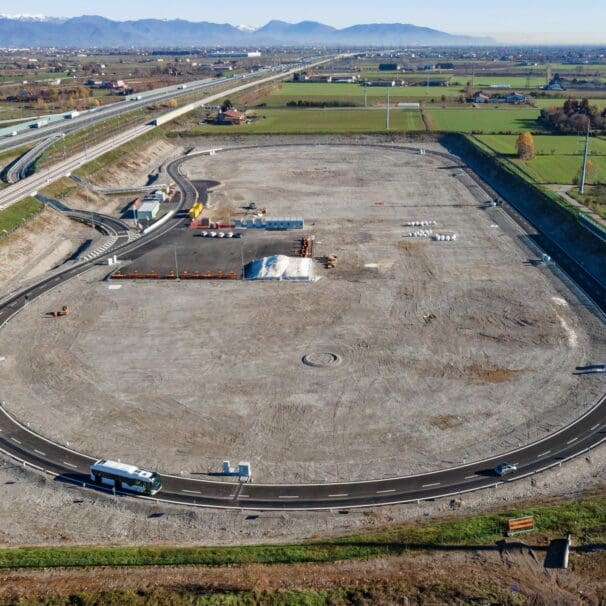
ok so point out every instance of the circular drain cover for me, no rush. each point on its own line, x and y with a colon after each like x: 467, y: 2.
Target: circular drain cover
x: 323, y: 359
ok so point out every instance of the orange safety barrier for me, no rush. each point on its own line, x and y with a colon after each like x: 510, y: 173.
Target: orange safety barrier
x: 185, y: 275
x: 517, y: 525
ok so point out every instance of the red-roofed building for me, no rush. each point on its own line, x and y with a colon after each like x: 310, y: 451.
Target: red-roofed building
x: 231, y: 116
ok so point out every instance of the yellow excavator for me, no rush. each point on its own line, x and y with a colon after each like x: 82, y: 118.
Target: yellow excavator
x: 196, y: 210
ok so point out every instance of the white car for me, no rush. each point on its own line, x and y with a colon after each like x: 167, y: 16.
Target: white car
x: 504, y: 469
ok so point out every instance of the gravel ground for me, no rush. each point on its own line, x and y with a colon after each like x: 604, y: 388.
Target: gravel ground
x: 444, y: 345
x: 43, y: 243
x: 451, y: 352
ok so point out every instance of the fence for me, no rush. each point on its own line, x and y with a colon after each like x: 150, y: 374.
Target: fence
x: 593, y: 226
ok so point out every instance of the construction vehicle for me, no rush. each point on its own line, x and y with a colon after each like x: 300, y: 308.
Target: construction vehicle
x: 196, y: 210
x: 62, y: 312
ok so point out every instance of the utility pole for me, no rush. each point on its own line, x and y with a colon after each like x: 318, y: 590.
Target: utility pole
x: 585, y: 153
x: 387, y: 118
x: 365, y: 95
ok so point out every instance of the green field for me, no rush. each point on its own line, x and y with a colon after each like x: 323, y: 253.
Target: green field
x: 13, y: 216
x: 557, y: 158
x: 584, y: 518
x: 317, y: 121
x: 354, y: 93
x: 490, y: 119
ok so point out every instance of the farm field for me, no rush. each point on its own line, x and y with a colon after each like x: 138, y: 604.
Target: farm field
x: 483, y: 119
x: 557, y: 159
x: 319, y: 121
x: 354, y: 93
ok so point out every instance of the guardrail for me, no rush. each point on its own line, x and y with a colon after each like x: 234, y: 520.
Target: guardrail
x: 593, y: 226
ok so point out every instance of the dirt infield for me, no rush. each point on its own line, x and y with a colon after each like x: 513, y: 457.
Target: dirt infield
x: 449, y: 351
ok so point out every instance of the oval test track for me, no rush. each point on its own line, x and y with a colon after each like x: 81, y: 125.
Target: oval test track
x: 19, y: 442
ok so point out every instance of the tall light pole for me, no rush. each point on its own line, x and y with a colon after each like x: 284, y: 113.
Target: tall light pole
x: 585, y: 153
x: 387, y: 117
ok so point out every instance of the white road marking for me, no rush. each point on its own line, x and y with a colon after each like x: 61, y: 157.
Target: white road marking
x: 241, y: 496
x: 288, y: 496
x: 595, y: 427
x: 345, y: 494
x: 40, y: 452
x: 70, y: 465
x: 15, y: 440
x: 429, y: 485
x: 573, y: 440
x: 191, y: 491
x: 473, y: 475
x: 386, y: 491
x: 543, y: 454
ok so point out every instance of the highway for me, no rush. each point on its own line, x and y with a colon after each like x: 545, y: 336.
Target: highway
x: 32, y: 449
x: 30, y: 185
x: 18, y: 169
x: 59, y: 123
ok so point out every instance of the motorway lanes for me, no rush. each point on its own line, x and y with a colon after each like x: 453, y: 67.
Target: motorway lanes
x: 30, y: 185
x: 87, y: 118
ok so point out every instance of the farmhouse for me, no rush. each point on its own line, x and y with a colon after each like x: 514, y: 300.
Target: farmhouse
x: 231, y: 116
x: 480, y: 97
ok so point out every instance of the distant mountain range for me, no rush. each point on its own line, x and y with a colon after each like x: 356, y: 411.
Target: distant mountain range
x: 94, y: 31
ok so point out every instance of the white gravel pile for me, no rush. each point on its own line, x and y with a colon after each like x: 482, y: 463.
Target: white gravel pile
x: 279, y: 267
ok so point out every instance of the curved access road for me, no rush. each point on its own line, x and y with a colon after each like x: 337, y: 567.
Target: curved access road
x: 34, y: 450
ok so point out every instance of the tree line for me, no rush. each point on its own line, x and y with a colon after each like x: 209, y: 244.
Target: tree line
x: 572, y: 117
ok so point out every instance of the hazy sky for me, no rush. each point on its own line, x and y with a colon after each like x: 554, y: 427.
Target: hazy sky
x: 526, y: 21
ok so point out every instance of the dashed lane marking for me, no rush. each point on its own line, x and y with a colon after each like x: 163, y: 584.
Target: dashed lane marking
x: 40, y: 452
x: 573, y: 440
x: 473, y: 475
x: 543, y: 454
x: 15, y: 440
x: 595, y: 427
x: 191, y: 491
x: 288, y: 496
x: 430, y: 485
x: 386, y: 491
x: 345, y: 494
x: 70, y: 465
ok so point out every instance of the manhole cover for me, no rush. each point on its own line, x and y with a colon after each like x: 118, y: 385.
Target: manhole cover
x: 323, y: 359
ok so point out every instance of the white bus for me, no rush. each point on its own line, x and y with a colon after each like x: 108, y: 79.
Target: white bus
x: 125, y: 477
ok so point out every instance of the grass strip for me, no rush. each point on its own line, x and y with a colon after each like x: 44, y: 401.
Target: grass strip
x: 14, y: 216
x: 585, y: 519
x: 94, y: 166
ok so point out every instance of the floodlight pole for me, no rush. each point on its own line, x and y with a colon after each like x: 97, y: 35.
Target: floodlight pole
x: 387, y: 118
x: 585, y: 153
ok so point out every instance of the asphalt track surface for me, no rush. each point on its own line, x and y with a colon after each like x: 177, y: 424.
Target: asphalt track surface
x: 66, y: 465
